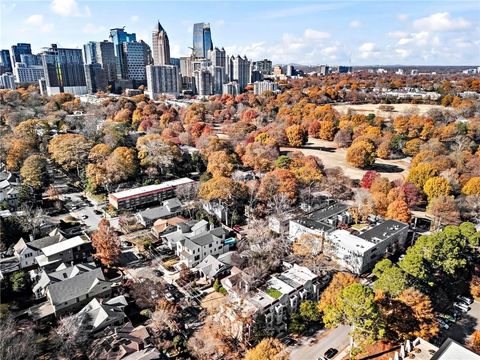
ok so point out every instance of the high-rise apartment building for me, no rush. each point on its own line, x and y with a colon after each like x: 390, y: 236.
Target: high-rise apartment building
x: 202, y: 40
x: 186, y: 68
x: 90, y: 52
x: 27, y: 72
x: 231, y: 88
x: 162, y: 79
x: 241, y: 71
x: 259, y: 87
x: 96, y: 79
x: 263, y: 66
x: 118, y: 37
x: 290, y: 70
x: 218, y: 73
x: 7, y: 81
x: 218, y: 57
x: 106, y: 57
x: 203, y: 82
x: 160, y: 46
x: 135, y: 56
x: 63, y: 70
x: 18, y: 50
x: 5, y: 61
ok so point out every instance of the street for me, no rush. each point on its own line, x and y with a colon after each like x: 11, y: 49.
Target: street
x: 463, y: 328
x: 331, y: 338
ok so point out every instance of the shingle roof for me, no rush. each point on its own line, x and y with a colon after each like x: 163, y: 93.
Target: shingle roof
x: 77, y: 286
x: 96, y: 316
x: 39, y: 244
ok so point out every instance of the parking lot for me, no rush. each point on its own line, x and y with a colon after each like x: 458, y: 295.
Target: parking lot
x: 466, y: 325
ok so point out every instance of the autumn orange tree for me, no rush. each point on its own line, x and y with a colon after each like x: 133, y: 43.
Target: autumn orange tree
x: 267, y: 349
x: 278, y: 181
x: 296, y: 135
x: 106, y: 243
x: 474, y: 341
x: 361, y: 154
x: 398, y: 210
x: 472, y: 186
x: 70, y: 151
x: 220, y: 163
x: 34, y: 171
x: 329, y: 296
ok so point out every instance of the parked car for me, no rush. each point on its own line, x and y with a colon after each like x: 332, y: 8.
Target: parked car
x: 169, y: 296
x: 330, y: 353
x: 158, y: 272
x: 461, y: 306
x: 126, y: 244
x: 443, y: 324
x: 465, y: 299
x: 84, y: 217
x: 97, y: 212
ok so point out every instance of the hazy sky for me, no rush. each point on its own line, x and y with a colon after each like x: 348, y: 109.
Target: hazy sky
x: 307, y: 32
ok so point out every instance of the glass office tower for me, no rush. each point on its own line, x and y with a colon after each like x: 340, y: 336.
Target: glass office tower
x: 202, y: 40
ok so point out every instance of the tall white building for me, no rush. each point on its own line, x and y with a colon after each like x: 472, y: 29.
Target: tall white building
x: 203, y: 82
x: 160, y: 46
x: 241, y: 71
x: 7, y: 81
x: 186, y: 68
x: 25, y: 73
x: 218, y: 73
x: 231, y: 88
x: 162, y: 79
x: 259, y: 87
x: 218, y: 57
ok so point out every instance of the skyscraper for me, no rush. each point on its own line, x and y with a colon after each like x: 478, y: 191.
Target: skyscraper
x: 241, y: 71
x: 106, y: 57
x: 63, y: 70
x: 135, y: 57
x: 161, y: 46
x: 90, y: 52
x: 95, y: 77
x: 218, y: 73
x: 5, y: 61
x: 162, y: 79
x: 203, y: 82
x: 202, y: 40
x: 263, y: 66
x: 19, y: 49
x: 218, y: 57
x: 118, y: 37
x: 27, y: 72
x: 186, y: 66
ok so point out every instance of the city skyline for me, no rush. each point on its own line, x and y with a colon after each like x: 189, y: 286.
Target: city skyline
x: 308, y: 33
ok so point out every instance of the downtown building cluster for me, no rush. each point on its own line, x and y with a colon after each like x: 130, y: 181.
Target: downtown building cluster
x: 122, y: 63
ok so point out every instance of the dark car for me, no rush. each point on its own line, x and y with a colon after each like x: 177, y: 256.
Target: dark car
x: 158, y: 272
x: 330, y: 353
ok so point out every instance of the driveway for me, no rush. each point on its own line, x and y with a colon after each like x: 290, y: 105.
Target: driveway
x: 332, y: 338
x: 85, y: 209
x: 468, y: 323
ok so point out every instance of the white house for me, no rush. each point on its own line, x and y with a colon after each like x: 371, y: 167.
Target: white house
x: 26, y: 252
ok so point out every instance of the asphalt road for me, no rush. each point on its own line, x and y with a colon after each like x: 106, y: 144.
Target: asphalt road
x: 333, y: 338
x: 469, y: 322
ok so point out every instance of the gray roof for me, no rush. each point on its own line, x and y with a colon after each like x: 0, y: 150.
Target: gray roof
x: 74, y: 287
x: 208, y: 237
x: 172, y: 203
x: 97, y: 316
x: 328, y: 211
x: 314, y: 225
x: 39, y: 244
x: 155, y: 213
x: 382, y: 231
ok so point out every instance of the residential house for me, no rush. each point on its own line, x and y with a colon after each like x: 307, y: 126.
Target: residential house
x: 164, y: 226
x: 97, y: 315
x: 75, y: 250
x: 274, y: 302
x: 185, y: 230
x: 26, y: 252
x: 212, y: 267
x: 123, y: 343
x: 72, y: 293
x: 43, y: 279
x: 9, y: 186
x: 170, y: 208
x: 360, y: 252
x: 194, y: 249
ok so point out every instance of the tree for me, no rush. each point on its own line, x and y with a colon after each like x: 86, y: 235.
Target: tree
x: 426, y: 325
x: 296, y: 135
x: 34, y: 171
x: 391, y: 281
x: 15, y: 343
x: 474, y: 341
x: 381, y: 267
x: 361, y: 154
x: 356, y: 307
x: 106, y: 243
x: 121, y: 165
x: 71, y: 336
x: 419, y: 174
x: 220, y: 164
x: 329, y: 298
x: 278, y: 181
x: 70, y: 151
x: 267, y: 349
x: 327, y: 130
x: 368, y: 178
x: 260, y: 157
x: 472, y: 186
x: 475, y: 287
x: 223, y: 189
x: 444, y: 210
x: 398, y: 210
x: 19, y: 281
x: 309, y: 311
x: 155, y: 155
x: 436, y: 186
x: 343, y: 138
x: 364, y: 204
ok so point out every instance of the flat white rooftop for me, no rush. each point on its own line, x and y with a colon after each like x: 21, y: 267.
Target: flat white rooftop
x: 350, y: 242
x: 143, y: 190
x: 65, y: 245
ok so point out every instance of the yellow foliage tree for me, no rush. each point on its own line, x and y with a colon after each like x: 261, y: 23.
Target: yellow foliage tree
x: 419, y: 174
x: 472, y: 186
x: 267, y: 349
x: 361, y: 154
x: 436, y: 186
